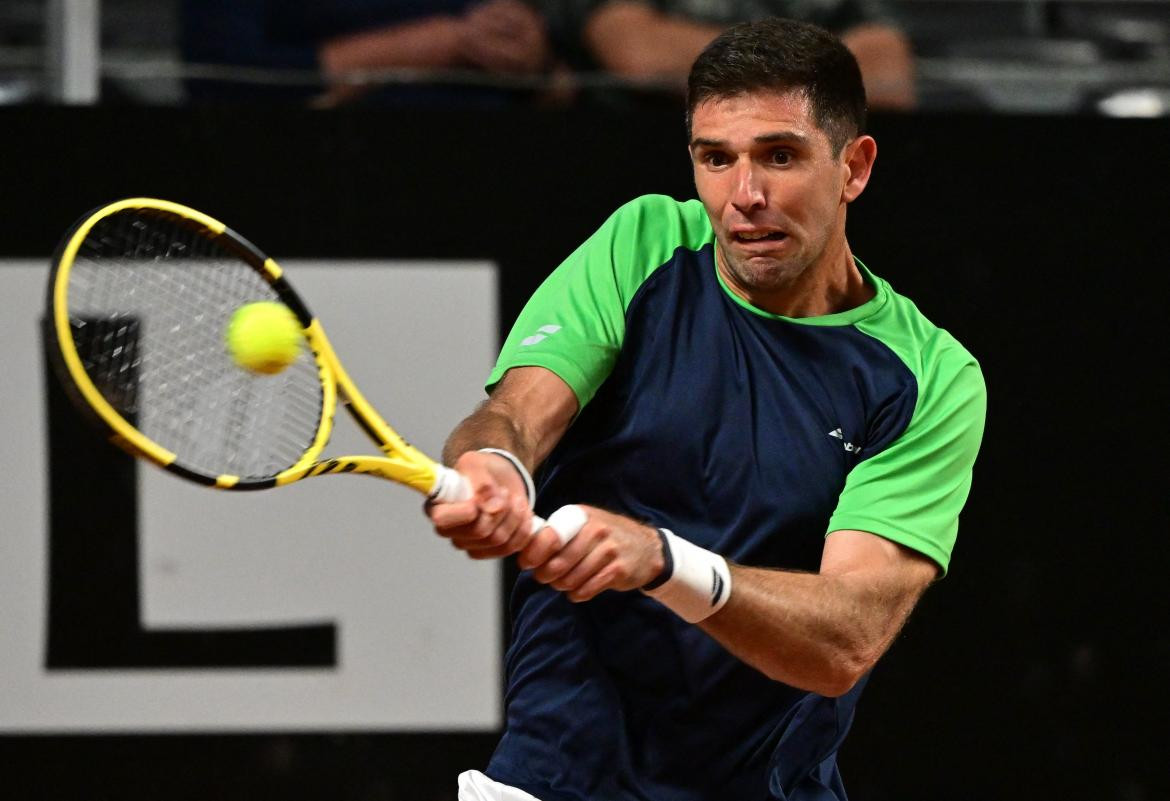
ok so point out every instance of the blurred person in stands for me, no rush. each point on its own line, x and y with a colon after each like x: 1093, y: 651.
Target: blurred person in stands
x: 662, y: 38
x: 347, y: 37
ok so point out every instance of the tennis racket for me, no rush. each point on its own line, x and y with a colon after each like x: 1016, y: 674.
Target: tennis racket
x: 140, y: 294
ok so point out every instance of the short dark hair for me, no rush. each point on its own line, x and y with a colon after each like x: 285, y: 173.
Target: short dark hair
x: 782, y: 55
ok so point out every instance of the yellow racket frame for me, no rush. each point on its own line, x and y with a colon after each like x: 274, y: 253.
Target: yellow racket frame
x: 401, y: 461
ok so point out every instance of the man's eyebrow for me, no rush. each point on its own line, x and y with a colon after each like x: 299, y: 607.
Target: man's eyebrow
x: 782, y: 136
x: 762, y: 139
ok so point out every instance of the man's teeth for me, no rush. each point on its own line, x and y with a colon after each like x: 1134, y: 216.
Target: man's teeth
x: 756, y: 234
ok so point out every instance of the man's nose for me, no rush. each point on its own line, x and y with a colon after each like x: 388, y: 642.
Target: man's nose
x: 748, y: 192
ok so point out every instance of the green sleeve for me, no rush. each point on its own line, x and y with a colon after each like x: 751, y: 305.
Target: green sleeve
x: 575, y: 322
x: 912, y: 491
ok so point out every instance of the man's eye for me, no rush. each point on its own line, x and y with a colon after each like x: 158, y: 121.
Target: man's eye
x: 781, y: 157
x: 715, y: 159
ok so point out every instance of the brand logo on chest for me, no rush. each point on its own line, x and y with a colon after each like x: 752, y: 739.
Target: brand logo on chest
x: 849, y: 447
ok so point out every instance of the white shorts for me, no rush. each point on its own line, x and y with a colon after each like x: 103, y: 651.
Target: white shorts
x: 474, y: 786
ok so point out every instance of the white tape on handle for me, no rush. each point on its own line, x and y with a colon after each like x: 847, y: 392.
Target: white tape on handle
x: 450, y: 486
x: 567, y: 522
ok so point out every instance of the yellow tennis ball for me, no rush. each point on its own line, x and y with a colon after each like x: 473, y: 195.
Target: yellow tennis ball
x: 264, y: 337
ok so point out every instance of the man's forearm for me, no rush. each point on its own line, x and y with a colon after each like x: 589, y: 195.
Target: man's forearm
x: 488, y: 427
x: 429, y: 42
x: 887, y: 65
x: 527, y: 414
x: 817, y: 632
x: 638, y: 41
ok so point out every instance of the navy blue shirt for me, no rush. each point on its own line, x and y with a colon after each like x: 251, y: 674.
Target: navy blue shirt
x: 749, y: 435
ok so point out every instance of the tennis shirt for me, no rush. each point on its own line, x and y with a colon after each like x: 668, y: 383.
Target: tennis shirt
x: 749, y: 434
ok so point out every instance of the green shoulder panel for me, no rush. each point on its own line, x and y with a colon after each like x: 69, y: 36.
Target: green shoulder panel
x: 574, y: 323
x: 913, y: 490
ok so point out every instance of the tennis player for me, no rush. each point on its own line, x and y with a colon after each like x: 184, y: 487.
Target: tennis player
x: 770, y: 445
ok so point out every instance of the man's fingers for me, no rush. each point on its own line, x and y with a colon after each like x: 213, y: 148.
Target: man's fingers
x: 487, y: 521
x: 493, y: 503
x: 446, y: 516
x: 521, y: 523
x: 603, y: 580
x: 511, y: 534
x: 485, y: 553
x: 540, y: 547
x: 495, y: 507
x: 563, y: 559
x: 510, y: 546
x: 558, y: 531
x: 590, y: 565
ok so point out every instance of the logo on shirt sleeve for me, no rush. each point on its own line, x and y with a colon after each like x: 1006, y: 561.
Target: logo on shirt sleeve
x: 542, y: 333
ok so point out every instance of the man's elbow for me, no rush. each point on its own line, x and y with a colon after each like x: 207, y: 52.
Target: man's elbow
x: 841, y: 680
x: 834, y: 675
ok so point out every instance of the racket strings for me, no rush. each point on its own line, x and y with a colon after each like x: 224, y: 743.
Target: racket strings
x: 149, y: 299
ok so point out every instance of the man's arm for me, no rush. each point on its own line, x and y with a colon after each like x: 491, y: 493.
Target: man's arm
x: 823, y: 631
x: 820, y: 632
x: 887, y: 65
x: 635, y: 40
x: 497, y: 36
x: 527, y: 414
x: 507, y: 36
x: 428, y: 42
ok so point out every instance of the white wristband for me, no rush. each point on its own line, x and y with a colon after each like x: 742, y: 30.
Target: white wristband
x: 529, y: 487
x: 695, y: 584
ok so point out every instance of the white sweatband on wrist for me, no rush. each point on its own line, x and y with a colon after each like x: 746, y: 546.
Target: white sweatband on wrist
x: 529, y: 487
x: 695, y: 583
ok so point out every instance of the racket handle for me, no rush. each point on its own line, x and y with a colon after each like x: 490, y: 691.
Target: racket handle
x: 450, y: 486
x: 566, y: 522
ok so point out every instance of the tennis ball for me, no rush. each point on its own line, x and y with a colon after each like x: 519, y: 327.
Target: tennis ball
x: 264, y: 337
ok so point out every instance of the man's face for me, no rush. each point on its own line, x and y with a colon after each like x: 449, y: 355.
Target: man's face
x: 773, y: 187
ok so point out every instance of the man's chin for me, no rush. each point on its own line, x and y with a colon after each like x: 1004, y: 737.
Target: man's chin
x: 765, y: 272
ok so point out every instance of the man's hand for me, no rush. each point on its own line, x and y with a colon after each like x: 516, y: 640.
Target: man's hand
x: 526, y: 415
x: 496, y: 521
x: 505, y: 36
x: 611, y: 552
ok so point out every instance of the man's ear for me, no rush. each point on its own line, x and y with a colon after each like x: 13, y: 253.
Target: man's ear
x: 857, y: 159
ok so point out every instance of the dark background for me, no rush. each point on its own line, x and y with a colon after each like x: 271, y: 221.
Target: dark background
x: 1034, y: 671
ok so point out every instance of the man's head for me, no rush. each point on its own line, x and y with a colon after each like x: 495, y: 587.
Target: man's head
x: 782, y: 56
x: 774, y: 117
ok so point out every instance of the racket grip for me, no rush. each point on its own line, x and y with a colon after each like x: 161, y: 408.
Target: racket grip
x: 567, y: 522
x: 451, y: 486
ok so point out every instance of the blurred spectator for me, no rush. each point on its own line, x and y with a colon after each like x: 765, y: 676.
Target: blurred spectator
x: 661, y: 38
x: 628, y: 38
x: 346, y: 36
